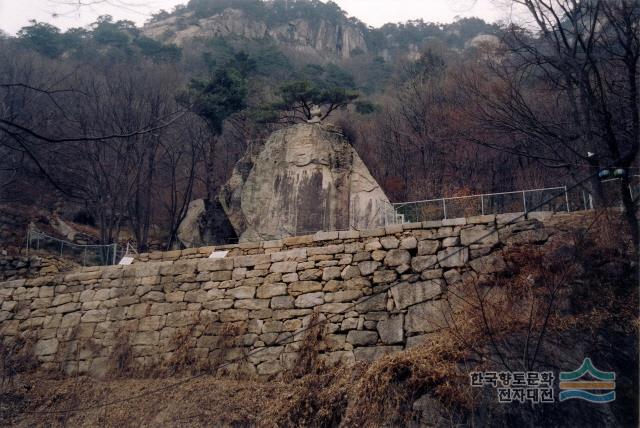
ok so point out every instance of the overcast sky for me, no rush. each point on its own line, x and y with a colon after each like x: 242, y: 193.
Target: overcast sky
x: 15, y: 14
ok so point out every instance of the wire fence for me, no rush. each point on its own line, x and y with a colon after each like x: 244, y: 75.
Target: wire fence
x: 544, y: 199
x: 85, y: 255
x: 612, y: 193
x: 481, y: 204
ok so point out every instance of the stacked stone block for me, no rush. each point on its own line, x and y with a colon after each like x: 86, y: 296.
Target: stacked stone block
x: 378, y: 292
x: 16, y: 267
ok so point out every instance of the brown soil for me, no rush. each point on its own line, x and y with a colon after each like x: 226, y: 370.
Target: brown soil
x: 204, y: 401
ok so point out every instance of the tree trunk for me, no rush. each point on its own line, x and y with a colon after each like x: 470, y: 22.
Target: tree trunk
x: 210, y: 156
x: 630, y: 210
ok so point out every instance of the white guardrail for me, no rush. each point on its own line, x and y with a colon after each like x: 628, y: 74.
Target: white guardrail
x: 541, y: 199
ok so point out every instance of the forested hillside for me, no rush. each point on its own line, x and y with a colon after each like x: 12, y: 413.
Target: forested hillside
x: 119, y: 127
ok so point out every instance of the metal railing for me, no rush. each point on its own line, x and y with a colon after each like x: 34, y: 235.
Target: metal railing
x: 612, y: 194
x: 543, y: 199
x: 83, y: 254
x: 484, y: 203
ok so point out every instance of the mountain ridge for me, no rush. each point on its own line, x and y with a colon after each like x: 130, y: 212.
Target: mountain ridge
x: 307, y: 26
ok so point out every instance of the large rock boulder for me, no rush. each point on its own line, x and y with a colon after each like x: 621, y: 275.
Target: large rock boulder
x: 306, y: 178
x: 205, y: 224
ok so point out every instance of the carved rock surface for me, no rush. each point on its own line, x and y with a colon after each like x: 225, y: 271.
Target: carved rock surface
x: 306, y: 178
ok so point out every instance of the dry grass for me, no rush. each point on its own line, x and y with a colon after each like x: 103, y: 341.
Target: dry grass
x: 377, y: 394
x: 317, y: 399
x: 121, y: 357
x: 205, y: 401
x: 385, y: 393
x: 182, y: 358
x: 16, y: 357
x: 319, y: 394
x: 308, y: 361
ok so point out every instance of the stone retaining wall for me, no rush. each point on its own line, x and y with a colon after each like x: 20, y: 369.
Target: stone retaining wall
x: 380, y: 291
x: 321, y: 238
x: 17, y: 267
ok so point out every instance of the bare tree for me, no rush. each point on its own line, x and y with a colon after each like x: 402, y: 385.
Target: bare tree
x: 72, y: 6
x: 567, y: 94
x: 92, y: 136
x: 178, y: 166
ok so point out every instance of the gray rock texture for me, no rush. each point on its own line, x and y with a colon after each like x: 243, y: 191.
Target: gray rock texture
x: 321, y: 39
x: 189, y: 229
x: 306, y: 178
x: 205, y: 223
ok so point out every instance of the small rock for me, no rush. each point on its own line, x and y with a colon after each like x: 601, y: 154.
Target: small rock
x: 397, y: 258
x: 362, y: 338
x: 284, y: 267
x: 421, y: 263
x: 391, y: 330
x: 242, y: 292
x: 384, y: 276
x: 332, y: 272
x: 271, y: 290
x: 282, y: 302
x: 368, y: 267
x: 480, y: 234
x: 350, y: 272
x: 389, y: 242
x: 406, y: 294
x: 46, y: 347
x: 426, y: 317
x: 489, y: 264
x: 409, y: 243
x: 453, y: 257
x: 362, y: 256
x: 309, y: 300
x: 451, y: 241
x: 431, y: 274
x: 290, y: 277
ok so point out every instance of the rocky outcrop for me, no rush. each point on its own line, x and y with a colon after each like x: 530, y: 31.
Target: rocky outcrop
x: 488, y: 41
x: 324, y: 38
x: 228, y: 23
x: 306, y: 178
x: 189, y: 231
x: 205, y: 223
